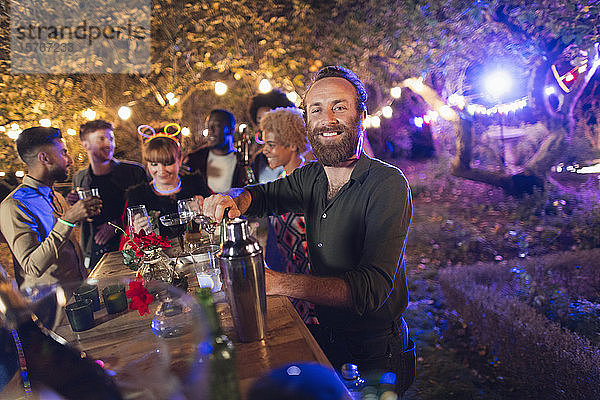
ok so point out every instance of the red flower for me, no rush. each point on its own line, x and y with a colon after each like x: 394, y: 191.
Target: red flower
x: 138, y: 296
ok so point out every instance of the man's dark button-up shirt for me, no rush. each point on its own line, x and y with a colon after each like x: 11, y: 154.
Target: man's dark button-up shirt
x: 359, y: 236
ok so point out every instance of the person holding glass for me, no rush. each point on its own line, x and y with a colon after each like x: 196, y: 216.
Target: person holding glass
x: 162, y: 156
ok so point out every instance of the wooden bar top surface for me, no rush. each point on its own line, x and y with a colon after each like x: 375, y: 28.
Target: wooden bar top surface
x: 124, y: 341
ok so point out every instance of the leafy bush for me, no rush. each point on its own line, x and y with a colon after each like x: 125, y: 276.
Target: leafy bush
x: 505, y: 306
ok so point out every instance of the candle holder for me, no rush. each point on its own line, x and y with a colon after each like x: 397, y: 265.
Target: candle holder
x: 114, y: 298
x: 80, y: 315
x: 87, y: 291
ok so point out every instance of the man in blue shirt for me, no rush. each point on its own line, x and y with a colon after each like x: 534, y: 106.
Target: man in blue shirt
x: 36, y: 221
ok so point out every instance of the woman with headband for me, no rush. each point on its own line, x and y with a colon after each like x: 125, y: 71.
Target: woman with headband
x: 162, y: 156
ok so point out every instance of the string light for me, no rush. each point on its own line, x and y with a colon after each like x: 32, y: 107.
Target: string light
x: 241, y: 127
x: 170, y: 96
x: 45, y: 122
x: 2, y: 129
x: 375, y: 121
x: 71, y: 132
x: 20, y: 174
x: 220, y: 88
x: 367, y: 122
x: 173, y: 101
x: 264, y: 86
x: 293, y: 97
x: 205, y: 133
x: 418, y: 121
x: 446, y: 112
x: 124, y: 112
x: 549, y: 90
x: 396, y: 92
x: 89, y: 114
x: 387, y: 111
x: 2, y: 173
x: 185, y: 131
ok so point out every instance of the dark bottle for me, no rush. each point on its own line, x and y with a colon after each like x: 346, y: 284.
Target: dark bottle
x: 220, y: 351
x: 353, y: 381
x: 46, y: 360
x: 244, y: 153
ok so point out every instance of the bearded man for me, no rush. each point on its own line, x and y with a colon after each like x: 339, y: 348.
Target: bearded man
x: 358, y: 212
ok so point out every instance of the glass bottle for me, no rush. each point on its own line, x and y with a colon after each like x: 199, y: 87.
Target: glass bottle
x: 352, y: 380
x: 220, y: 353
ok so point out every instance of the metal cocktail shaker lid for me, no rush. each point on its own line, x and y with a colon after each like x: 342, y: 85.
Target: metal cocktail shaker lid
x: 237, y: 242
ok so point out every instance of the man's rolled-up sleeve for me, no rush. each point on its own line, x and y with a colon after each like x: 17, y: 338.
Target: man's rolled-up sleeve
x: 373, y: 284
x: 277, y: 197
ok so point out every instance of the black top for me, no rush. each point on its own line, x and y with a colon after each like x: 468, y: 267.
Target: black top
x: 191, y: 185
x: 359, y: 236
x: 111, y: 188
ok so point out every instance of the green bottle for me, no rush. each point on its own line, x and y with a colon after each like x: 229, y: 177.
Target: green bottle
x: 223, y: 382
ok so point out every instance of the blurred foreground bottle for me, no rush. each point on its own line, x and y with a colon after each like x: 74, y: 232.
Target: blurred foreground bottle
x: 45, y: 360
x: 221, y: 353
x: 352, y: 380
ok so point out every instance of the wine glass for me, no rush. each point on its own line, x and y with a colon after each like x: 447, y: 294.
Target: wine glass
x: 138, y: 220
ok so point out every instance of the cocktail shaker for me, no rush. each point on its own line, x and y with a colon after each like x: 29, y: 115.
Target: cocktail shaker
x: 243, y: 274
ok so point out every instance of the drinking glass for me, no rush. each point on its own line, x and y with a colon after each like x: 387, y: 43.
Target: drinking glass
x: 85, y: 193
x: 137, y: 220
x: 208, y: 271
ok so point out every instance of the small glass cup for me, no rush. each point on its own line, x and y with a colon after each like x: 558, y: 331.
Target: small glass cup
x: 85, y: 193
x: 80, y: 315
x: 88, y: 291
x: 208, y: 271
x: 114, y: 298
x: 138, y: 219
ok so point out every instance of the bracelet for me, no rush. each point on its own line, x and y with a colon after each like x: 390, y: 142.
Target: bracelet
x: 67, y: 223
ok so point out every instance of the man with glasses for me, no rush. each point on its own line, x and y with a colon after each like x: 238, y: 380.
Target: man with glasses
x: 36, y: 221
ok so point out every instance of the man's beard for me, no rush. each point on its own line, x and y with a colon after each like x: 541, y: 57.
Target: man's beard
x: 59, y: 175
x: 331, y: 155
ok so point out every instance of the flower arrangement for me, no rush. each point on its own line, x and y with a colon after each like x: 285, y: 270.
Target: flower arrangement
x: 141, y: 244
x: 138, y: 295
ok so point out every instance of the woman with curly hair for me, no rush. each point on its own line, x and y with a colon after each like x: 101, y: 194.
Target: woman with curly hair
x: 285, y: 139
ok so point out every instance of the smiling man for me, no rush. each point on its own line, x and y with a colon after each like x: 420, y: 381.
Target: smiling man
x: 112, y: 178
x: 358, y: 212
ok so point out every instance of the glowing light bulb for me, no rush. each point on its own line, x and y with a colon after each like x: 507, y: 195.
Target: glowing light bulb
x: 387, y: 112
x: 20, y: 174
x: 548, y: 90
x: 292, y: 96
x: 89, y: 114
x: 71, y: 132
x: 170, y: 96
x: 173, y: 101
x: 396, y: 92
x: 242, y: 127
x: 124, y: 112
x: 2, y: 173
x: 418, y: 121
x: 220, y: 88
x: 418, y: 85
x: 45, y: 122
x: 375, y: 121
x: 205, y: 133
x: 367, y: 122
x: 498, y: 83
x: 185, y: 131
x: 569, y: 77
x: 446, y: 112
x: 2, y: 129
x: 14, y: 126
x: 264, y: 86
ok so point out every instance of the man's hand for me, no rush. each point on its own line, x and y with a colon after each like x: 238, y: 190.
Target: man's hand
x: 82, y: 209
x: 215, y: 205
x: 104, y: 234
x: 72, y: 197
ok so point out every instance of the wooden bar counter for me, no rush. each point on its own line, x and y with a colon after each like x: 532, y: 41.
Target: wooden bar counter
x: 125, y: 341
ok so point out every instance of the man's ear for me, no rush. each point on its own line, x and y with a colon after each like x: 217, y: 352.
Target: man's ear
x: 43, y: 158
x: 85, y: 144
